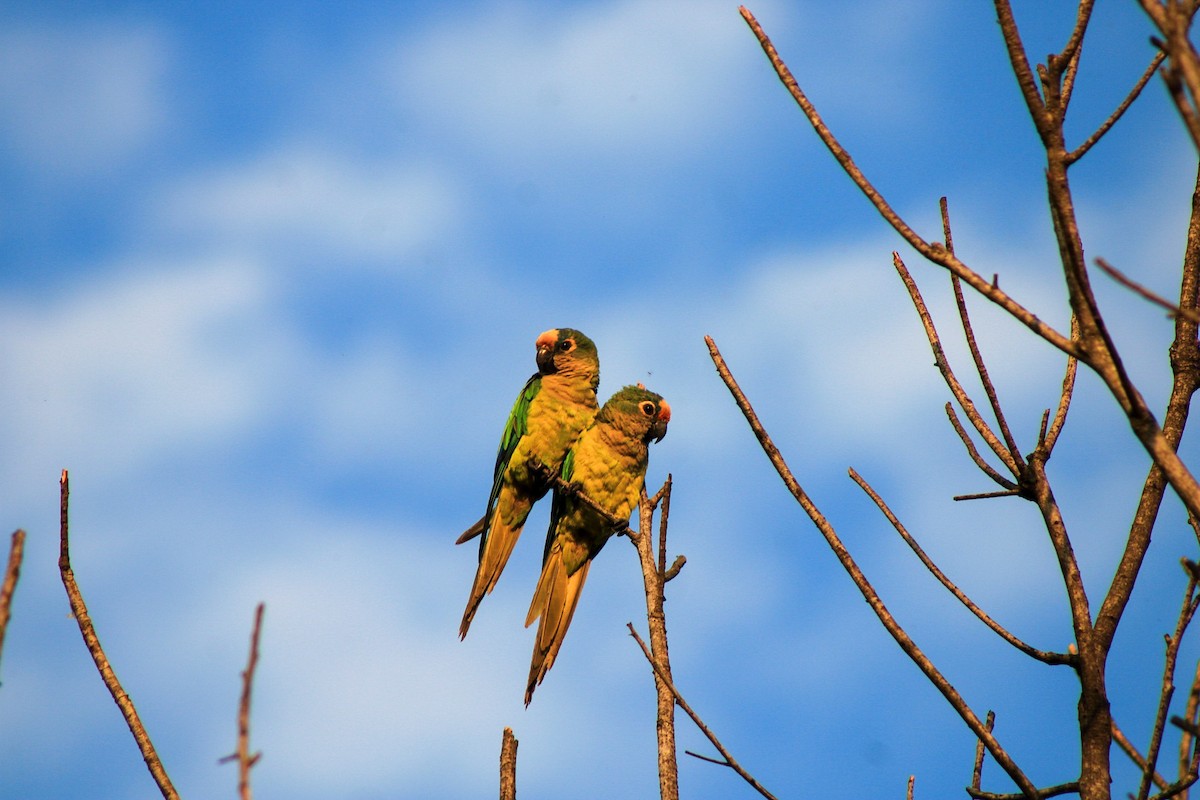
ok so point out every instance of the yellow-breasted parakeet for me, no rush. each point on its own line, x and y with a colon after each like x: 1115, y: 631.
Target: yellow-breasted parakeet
x: 608, y: 464
x: 556, y: 404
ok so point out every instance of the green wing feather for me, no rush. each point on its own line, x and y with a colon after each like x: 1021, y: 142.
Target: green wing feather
x: 514, y: 429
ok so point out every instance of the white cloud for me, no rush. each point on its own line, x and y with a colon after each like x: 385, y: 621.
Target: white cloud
x: 301, y: 199
x: 81, y: 99
x: 145, y: 359
x: 530, y: 86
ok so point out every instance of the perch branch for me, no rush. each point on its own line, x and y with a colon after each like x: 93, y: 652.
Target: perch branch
x: 620, y: 526
x: 653, y: 581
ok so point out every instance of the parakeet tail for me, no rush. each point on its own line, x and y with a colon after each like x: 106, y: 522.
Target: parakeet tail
x: 493, y: 555
x: 554, y: 601
x: 471, y: 532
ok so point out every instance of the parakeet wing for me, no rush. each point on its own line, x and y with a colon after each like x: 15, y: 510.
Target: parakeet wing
x: 516, y: 427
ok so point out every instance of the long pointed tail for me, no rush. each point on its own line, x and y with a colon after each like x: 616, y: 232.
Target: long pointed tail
x: 554, y: 602
x: 499, y: 540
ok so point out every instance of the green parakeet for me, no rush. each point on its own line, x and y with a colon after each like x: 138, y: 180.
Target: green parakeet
x: 608, y: 464
x: 556, y: 404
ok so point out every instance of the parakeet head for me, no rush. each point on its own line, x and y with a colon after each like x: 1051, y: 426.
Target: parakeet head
x: 639, y: 410
x: 567, y: 351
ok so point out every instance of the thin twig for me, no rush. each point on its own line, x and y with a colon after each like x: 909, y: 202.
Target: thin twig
x: 1047, y: 440
x: 1000, y: 630
x: 973, y: 452
x: 977, y: 771
x: 1071, y: 51
x: 1042, y: 119
x: 79, y: 611
x: 1080, y: 151
x: 673, y: 570
x: 1050, y: 791
x: 908, y: 794
x: 976, y: 356
x: 1186, y: 612
x: 1172, y: 310
x: 934, y: 251
x: 1191, y: 713
x: 988, y: 495
x: 16, y: 552
x: 1177, y: 788
x: 1127, y: 747
x: 1008, y: 455
x: 664, y: 514
x: 864, y: 586
x: 508, y: 765
x: 729, y: 761
x: 245, y: 760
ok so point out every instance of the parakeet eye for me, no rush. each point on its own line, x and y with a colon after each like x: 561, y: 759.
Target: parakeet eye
x: 648, y: 408
x: 566, y: 345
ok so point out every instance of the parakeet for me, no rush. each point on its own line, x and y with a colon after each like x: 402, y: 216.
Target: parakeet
x: 608, y: 464
x: 556, y: 404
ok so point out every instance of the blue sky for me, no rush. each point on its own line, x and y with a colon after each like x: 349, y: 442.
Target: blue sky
x: 270, y: 280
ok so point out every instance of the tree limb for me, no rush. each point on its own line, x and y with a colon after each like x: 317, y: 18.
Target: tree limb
x: 119, y: 695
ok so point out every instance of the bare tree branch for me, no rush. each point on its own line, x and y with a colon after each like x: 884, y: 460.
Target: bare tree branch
x: 1081, y: 151
x: 1182, y: 73
x: 654, y: 581
x: 1050, y: 791
x: 1049, y: 438
x: 1070, y: 53
x: 864, y: 586
x: 1127, y: 747
x: 934, y: 252
x: 122, y: 699
x: 1186, y: 612
x: 1191, y: 714
x: 1011, y: 488
x: 1009, y: 457
x: 977, y: 771
x: 1172, y: 309
x: 969, y: 332
x: 245, y: 760
x: 1042, y: 119
x: 12, y: 573
x: 508, y: 765
x: 1041, y: 655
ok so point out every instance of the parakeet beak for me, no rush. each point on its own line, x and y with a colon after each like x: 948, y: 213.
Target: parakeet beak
x: 659, y: 429
x: 545, y: 351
